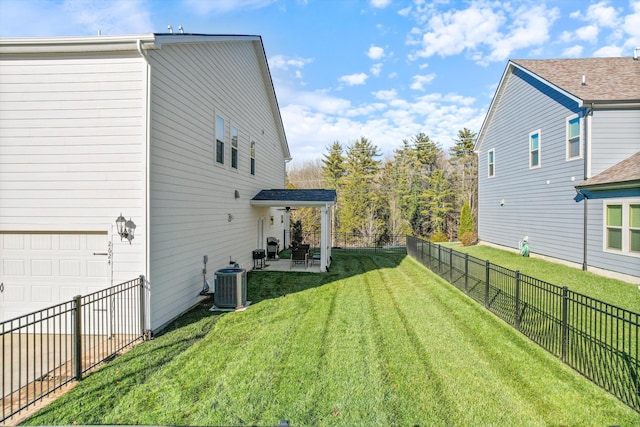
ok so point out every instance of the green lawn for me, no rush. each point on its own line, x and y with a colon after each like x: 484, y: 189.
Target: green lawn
x: 616, y: 292
x: 378, y: 341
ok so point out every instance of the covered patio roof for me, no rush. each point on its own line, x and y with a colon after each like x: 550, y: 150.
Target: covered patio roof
x: 318, y: 198
x: 297, y: 198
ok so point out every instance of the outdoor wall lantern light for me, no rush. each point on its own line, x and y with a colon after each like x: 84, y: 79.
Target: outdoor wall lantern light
x: 126, y: 229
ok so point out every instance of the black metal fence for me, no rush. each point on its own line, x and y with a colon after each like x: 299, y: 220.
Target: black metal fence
x: 597, y: 339
x: 377, y: 243
x: 44, y: 350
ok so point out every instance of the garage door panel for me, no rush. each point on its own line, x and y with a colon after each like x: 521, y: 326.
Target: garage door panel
x: 41, y: 242
x: 42, y: 294
x: 70, y: 242
x: 13, y: 267
x: 70, y: 268
x: 13, y: 242
x: 40, y: 269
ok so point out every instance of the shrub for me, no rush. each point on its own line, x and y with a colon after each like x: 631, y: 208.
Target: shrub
x: 438, y: 237
x: 466, y: 221
x: 467, y: 238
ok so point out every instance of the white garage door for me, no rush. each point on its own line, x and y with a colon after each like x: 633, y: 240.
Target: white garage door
x: 40, y: 269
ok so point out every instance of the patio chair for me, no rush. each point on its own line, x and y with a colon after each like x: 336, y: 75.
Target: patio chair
x: 299, y: 256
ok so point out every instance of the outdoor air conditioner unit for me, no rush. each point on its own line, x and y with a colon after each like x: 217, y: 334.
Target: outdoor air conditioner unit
x: 230, y: 289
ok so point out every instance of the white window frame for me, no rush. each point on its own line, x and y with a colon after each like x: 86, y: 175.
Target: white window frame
x: 219, y: 132
x: 491, y: 173
x: 626, y: 228
x: 252, y: 157
x: 234, y: 147
x: 568, y: 154
x: 539, y: 149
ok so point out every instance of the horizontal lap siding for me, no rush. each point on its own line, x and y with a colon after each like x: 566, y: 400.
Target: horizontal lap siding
x: 615, y: 137
x: 538, y: 203
x: 192, y: 195
x: 72, y: 144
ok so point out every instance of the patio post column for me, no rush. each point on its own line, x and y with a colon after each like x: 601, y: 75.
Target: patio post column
x: 324, y: 237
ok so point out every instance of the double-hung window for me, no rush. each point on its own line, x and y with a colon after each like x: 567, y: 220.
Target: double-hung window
x: 622, y: 227
x: 534, y: 149
x: 491, y: 163
x: 574, y: 149
x: 234, y: 147
x: 219, y: 140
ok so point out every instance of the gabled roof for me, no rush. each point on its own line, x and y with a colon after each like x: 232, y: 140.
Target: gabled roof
x: 610, y: 81
x: 289, y: 198
x: 625, y: 174
x: 606, y: 79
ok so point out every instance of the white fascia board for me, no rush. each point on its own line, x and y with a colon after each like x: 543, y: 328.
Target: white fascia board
x: 290, y: 203
x: 75, y: 44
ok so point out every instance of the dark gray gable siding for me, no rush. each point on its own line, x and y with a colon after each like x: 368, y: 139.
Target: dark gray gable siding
x: 538, y: 203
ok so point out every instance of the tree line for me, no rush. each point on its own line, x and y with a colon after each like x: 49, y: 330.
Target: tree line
x: 420, y: 190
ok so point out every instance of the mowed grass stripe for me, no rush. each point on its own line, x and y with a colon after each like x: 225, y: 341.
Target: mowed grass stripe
x: 212, y: 377
x: 415, y: 395
x: 350, y: 378
x: 522, y: 376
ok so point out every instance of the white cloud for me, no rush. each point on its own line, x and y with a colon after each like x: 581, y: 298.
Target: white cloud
x: 376, y: 69
x: 573, y: 51
x: 608, y: 51
x: 386, y: 95
x: 375, y: 52
x: 113, y: 17
x: 282, y: 62
x: 602, y: 14
x: 380, y: 3
x: 488, y: 32
x: 419, y: 81
x: 205, y: 7
x: 354, y: 79
x: 587, y: 33
x: 631, y: 26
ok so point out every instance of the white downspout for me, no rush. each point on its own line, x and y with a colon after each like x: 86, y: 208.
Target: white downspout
x: 147, y: 204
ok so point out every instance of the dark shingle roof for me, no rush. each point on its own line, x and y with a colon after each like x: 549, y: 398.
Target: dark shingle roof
x: 296, y: 197
x: 623, y: 174
x: 607, y: 79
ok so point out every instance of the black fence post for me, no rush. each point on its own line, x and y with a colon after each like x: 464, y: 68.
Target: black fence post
x: 517, y: 313
x: 143, y: 306
x: 486, y: 284
x: 429, y: 243
x: 466, y: 273
x: 439, y: 259
x: 450, y: 265
x: 77, y: 337
x: 565, y: 323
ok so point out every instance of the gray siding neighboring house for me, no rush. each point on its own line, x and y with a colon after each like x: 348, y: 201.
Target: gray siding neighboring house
x: 143, y: 125
x: 551, y: 126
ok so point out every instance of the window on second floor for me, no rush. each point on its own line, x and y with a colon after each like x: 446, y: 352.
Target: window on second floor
x: 622, y: 227
x: 219, y: 139
x: 534, y: 149
x: 491, y: 163
x: 234, y: 147
x: 253, y: 157
x: 574, y: 149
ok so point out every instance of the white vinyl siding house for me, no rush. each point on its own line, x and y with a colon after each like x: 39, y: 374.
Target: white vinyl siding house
x: 534, y: 197
x: 92, y: 127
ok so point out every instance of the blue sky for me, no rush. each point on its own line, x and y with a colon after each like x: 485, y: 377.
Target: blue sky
x: 382, y: 69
